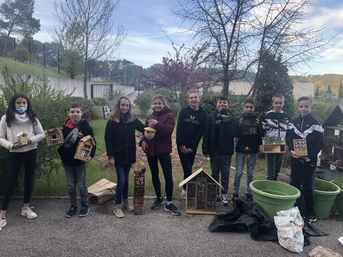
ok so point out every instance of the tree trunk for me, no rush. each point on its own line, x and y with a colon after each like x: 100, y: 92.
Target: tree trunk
x: 226, y: 83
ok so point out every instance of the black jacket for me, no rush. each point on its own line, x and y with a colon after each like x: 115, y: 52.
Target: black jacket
x: 67, y: 152
x: 310, y: 129
x: 222, y: 129
x: 249, y: 134
x: 120, y: 140
x: 191, y: 126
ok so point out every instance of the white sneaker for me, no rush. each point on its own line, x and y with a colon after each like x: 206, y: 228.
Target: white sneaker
x: 225, y: 199
x: 3, y: 223
x: 28, y: 213
x: 118, y: 212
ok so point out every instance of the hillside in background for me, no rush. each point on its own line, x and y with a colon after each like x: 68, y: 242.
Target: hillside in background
x: 30, y: 69
x: 323, y: 81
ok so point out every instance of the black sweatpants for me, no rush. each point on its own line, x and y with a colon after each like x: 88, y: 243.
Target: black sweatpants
x: 302, y: 177
x: 187, y: 161
x: 15, y: 162
x: 165, y: 161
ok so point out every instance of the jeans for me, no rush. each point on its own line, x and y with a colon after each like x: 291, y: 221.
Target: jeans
x: 220, y: 166
x: 14, y: 164
x: 76, y: 178
x: 187, y: 161
x: 165, y: 161
x: 240, y: 160
x: 122, y: 189
x: 274, y: 162
x: 302, y: 177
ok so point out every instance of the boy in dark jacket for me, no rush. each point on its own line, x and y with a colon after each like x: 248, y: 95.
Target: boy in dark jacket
x: 74, y: 129
x: 191, y: 126
x: 307, y: 132
x: 219, y: 143
x: 248, y: 144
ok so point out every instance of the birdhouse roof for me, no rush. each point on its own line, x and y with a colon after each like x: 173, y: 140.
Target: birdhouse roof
x: 195, y: 174
x: 87, y: 138
x: 336, y: 116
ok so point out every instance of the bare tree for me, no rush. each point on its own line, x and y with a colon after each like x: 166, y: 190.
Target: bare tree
x: 87, y: 26
x: 223, y: 24
x: 280, y: 26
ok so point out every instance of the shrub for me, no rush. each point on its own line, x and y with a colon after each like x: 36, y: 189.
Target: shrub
x: 21, y: 54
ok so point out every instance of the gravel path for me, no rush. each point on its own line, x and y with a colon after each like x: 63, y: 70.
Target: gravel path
x: 153, y: 234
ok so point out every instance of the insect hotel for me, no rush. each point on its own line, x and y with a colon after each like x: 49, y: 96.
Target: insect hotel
x: 332, y: 152
x: 138, y: 191
x: 54, y: 136
x: 201, y: 193
x: 275, y: 143
x: 85, y: 148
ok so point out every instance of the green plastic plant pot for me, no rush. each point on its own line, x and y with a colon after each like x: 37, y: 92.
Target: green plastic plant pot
x: 325, y: 194
x: 339, y: 199
x: 273, y: 196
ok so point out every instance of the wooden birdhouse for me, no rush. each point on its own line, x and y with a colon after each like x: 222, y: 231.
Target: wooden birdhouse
x: 273, y: 145
x: 84, y: 148
x: 201, y: 193
x: 54, y: 136
x: 332, y: 152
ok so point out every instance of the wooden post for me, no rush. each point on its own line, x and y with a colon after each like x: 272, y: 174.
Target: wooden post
x: 138, y: 195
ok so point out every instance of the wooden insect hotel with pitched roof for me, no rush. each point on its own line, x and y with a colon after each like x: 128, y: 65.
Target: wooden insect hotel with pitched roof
x: 201, y: 193
x: 54, y: 136
x: 85, y: 148
x: 332, y: 152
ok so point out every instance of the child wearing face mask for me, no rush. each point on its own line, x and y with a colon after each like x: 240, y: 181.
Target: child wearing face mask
x: 74, y: 129
x: 20, y: 133
x: 158, y: 149
x: 120, y: 140
x: 310, y: 131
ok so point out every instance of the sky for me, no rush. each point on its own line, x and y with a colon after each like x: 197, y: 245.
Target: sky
x: 151, y: 26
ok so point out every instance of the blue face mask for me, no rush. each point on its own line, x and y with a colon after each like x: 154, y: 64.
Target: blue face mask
x: 21, y: 109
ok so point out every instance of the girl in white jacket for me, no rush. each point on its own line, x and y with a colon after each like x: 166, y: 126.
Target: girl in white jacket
x: 20, y: 133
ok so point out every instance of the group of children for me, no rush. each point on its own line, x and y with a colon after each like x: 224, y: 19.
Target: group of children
x: 221, y: 132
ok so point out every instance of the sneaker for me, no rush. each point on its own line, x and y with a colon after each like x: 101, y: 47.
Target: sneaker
x: 84, y: 211
x: 126, y: 206
x: 3, y: 223
x: 71, y: 212
x: 28, y: 213
x: 118, y: 212
x: 225, y: 199
x: 248, y: 197
x: 156, y: 204
x: 172, y: 208
x: 311, y: 219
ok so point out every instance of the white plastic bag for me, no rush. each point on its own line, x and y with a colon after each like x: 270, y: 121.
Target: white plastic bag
x: 289, y: 224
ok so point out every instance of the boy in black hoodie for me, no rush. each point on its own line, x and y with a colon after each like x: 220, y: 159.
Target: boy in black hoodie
x: 219, y: 143
x: 247, y: 147
x: 74, y: 129
x: 310, y: 132
x: 191, y: 126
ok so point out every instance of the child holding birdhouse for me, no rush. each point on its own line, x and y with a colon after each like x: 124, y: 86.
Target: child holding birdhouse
x: 304, y: 140
x: 20, y: 133
x: 275, y: 124
x: 120, y: 140
x: 77, y: 133
x: 158, y: 149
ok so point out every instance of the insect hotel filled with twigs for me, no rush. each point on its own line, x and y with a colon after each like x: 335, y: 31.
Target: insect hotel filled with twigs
x: 201, y: 193
x: 54, y: 136
x: 332, y: 152
x: 85, y: 148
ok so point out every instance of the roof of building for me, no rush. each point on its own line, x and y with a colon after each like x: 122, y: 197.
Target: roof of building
x: 196, y: 173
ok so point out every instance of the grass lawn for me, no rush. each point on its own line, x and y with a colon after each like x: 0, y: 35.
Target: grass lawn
x: 95, y: 171
x: 30, y: 69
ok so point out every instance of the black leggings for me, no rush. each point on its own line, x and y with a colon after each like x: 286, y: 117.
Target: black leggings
x: 14, y: 164
x: 166, y: 165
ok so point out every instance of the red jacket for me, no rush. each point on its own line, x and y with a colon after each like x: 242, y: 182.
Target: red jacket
x: 162, y: 142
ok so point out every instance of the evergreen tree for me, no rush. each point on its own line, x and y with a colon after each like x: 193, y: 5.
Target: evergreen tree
x: 273, y: 79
